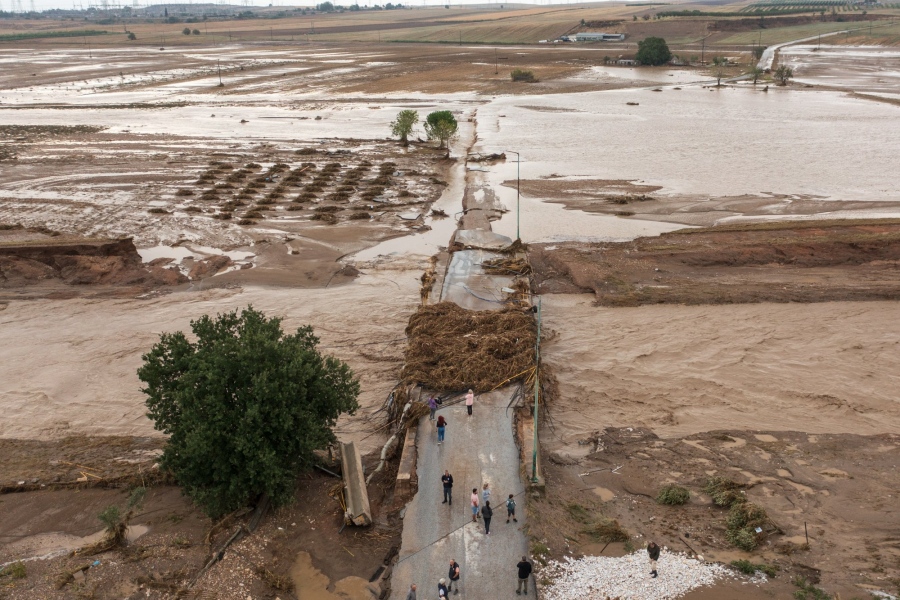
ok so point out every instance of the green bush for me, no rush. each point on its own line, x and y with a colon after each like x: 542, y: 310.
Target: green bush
x: 748, y: 568
x: 14, y: 571
x: 523, y: 75
x: 808, y: 591
x: 673, y: 495
x: 724, y: 492
x: 741, y: 524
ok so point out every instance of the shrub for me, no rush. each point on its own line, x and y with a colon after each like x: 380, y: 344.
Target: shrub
x: 741, y: 524
x: 158, y: 211
x: 748, y: 568
x: 607, y: 530
x: 131, y: 36
x: 673, y: 495
x: 327, y: 209
x: 14, y: 571
x: 192, y: 209
x: 358, y: 216
x: 196, y: 32
x: 808, y: 591
x: 328, y: 218
x: 724, y: 492
x: 184, y: 192
x: 186, y: 31
x: 522, y: 75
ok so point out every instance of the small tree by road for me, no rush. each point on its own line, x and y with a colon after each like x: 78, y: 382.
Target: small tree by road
x: 186, y: 31
x: 403, y: 125
x: 653, y: 51
x: 441, y: 125
x: 244, y: 406
x: 755, y: 72
x: 783, y: 74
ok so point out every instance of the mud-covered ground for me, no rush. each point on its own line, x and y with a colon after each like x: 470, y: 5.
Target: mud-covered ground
x: 170, y: 541
x: 787, y: 261
x: 838, y: 488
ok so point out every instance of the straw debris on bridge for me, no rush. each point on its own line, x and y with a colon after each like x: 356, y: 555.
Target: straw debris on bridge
x: 450, y: 348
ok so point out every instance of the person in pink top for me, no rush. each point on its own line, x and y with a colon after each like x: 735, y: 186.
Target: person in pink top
x: 470, y: 400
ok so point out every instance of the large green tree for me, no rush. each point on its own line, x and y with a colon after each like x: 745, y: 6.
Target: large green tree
x: 403, y: 125
x: 653, y: 51
x: 441, y: 125
x: 245, y: 405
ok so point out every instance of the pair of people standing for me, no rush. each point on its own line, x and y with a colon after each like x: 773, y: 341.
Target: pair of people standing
x: 487, y: 513
x: 445, y: 586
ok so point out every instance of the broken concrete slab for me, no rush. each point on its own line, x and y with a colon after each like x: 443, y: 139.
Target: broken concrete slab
x: 467, y: 285
x: 477, y: 238
x: 356, y: 495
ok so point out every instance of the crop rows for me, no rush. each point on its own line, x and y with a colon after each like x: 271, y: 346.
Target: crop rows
x: 327, y: 190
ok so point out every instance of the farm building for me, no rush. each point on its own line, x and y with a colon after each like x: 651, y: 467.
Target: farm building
x: 598, y: 37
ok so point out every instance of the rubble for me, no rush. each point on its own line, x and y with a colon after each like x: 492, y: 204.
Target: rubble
x: 627, y: 577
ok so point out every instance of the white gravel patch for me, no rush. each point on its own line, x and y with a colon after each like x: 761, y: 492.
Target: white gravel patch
x: 627, y: 577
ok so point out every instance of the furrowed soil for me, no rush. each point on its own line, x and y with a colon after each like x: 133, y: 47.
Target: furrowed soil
x: 787, y: 261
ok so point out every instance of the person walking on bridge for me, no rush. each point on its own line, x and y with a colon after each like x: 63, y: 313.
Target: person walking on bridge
x: 511, y: 509
x: 470, y: 400
x: 412, y: 593
x: 524, y: 568
x: 441, y: 427
x: 474, y: 501
x: 442, y: 589
x: 432, y: 406
x: 453, y: 574
x: 447, y: 480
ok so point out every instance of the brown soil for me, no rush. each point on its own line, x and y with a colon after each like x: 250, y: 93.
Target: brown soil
x: 53, y: 266
x: 273, y: 211
x: 839, y: 486
x: 810, y: 261
x: 625, y: 198
x: 272, y: 561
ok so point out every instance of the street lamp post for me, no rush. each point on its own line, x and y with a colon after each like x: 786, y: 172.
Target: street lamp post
x: 518, y: 161
x: 537, y: 383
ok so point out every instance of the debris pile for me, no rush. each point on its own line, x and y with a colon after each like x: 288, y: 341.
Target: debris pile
x: 627, y: 577
x: 452, y: 349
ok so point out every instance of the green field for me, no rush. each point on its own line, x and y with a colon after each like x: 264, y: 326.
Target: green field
x: 35, y: 35
x: 786, y: 34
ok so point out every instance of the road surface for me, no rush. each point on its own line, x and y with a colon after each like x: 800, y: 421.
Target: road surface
x: 477, y: 450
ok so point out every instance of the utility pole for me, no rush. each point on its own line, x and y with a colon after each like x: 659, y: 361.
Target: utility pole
x: 518, y: 161
x: 219, y: 65
x: 496, y: 68
x: 537, y: 384
x: 703, y: 51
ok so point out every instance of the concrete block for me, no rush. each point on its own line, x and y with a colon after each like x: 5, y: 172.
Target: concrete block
x: 407, y: 479
x: 355, y: 493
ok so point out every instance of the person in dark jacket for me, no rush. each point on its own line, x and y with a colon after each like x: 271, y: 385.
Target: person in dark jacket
x: 487, y: 514
x: 653, y: 553
x: 453, y: 574
x: 442, y: 589
x: 447, y: 480
x: 524, y: 568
